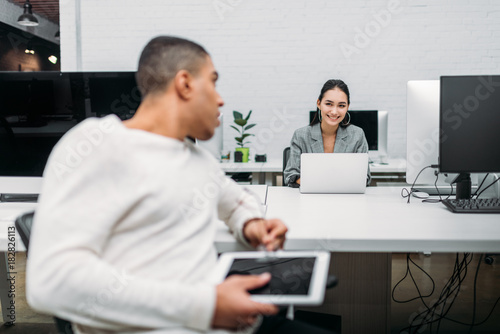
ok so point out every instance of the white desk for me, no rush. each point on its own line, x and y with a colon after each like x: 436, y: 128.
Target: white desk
x: 393, y: 171
x: 260, y: 190
x: 395, y: 165
x: 262, y: 172
x: 376, y: 223
x: 379, y: 221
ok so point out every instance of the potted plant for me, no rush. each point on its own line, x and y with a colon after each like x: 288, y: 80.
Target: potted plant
x: 240, y: 141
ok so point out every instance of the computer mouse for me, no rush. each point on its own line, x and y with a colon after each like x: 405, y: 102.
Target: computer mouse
x: 420, y: 194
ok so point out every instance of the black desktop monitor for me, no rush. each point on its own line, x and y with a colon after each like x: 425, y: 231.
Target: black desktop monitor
x: 469, y: 122
x: 368, y: 121
x: 38, y: 108
x: 365, y: 119
x: 374, y: 124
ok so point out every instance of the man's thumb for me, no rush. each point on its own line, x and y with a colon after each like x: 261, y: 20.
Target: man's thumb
x: 257, y: 281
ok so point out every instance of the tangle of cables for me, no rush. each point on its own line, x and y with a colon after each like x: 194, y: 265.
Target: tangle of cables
x: 432, y: 313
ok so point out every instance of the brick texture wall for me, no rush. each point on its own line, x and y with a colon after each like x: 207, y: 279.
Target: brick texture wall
x: 274, y: 56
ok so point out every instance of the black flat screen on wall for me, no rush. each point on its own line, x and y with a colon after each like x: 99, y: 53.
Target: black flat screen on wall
x: 38, y: 108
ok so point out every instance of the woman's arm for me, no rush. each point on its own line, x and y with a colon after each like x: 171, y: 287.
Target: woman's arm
x: 292, y: 170
x: 362, y: 147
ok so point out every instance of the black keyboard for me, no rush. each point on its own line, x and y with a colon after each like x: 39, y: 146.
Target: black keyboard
x: 487, y: 205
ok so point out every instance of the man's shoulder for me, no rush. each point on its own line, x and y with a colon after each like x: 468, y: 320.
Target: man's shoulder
x: 82, y: 144
x: 92, y: 130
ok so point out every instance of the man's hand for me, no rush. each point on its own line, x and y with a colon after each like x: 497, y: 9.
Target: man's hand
x: 234, y: 308
x: 267, y: 232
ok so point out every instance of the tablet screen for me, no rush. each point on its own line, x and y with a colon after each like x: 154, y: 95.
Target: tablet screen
x: 290, y: 276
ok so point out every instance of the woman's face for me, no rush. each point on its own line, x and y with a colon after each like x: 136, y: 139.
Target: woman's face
x: 333, y: 106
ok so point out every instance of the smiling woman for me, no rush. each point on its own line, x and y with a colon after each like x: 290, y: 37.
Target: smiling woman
x: 329, y: 132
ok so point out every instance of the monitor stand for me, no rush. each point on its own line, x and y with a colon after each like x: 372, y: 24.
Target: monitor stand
x: 464, y: 186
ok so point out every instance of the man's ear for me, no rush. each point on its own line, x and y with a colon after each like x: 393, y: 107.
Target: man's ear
x: 183, y: 83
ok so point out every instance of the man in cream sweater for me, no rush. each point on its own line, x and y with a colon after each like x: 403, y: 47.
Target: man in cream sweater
x: 123, y: 237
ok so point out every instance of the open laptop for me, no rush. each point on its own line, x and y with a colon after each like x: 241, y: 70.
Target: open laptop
x: 333, y: 173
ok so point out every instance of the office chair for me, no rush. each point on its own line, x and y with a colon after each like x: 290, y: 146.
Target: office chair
x: 329, y: 322
x: 23, y: 226
x: 286, y: 156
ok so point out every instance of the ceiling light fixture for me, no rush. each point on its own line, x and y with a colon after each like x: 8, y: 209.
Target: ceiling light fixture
x: 27, y: 18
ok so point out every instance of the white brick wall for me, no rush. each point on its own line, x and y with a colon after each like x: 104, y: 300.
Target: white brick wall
x: 274, y: 56
x: 9, y: 14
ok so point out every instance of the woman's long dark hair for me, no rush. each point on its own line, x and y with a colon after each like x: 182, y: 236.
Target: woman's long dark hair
x: 329, y: 85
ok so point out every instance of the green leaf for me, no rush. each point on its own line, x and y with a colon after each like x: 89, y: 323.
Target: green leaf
x: 240, y: 121
x: 239, y: 139
x: 246, y: 135
x: 250, y: 126
x: 237, y: 115
x: 248, y: 116
x: 236, y: 129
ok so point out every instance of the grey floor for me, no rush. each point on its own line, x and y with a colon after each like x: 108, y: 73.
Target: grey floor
x: 439, y: 266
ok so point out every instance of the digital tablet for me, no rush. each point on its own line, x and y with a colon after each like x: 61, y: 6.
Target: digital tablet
x: 297, y: 278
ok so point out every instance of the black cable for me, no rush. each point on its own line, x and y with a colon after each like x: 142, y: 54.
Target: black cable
x: 474, y: 303
x: 437, y: 189
x: 450, y: 290
x: 474, y: 299
x: 484, y: 179
x: 492, y: 183
x: 479, y: 323
x: 459, y: 268
x: 408, y: 193
x: 474, y: 306
x: 408, y: 271
x: 443, y: 299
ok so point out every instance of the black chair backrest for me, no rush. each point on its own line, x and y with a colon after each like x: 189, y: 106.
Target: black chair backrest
x: 286, y: 156
x: 23, y: 225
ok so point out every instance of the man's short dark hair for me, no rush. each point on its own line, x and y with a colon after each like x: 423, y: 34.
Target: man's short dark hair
x: 162, y: 58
